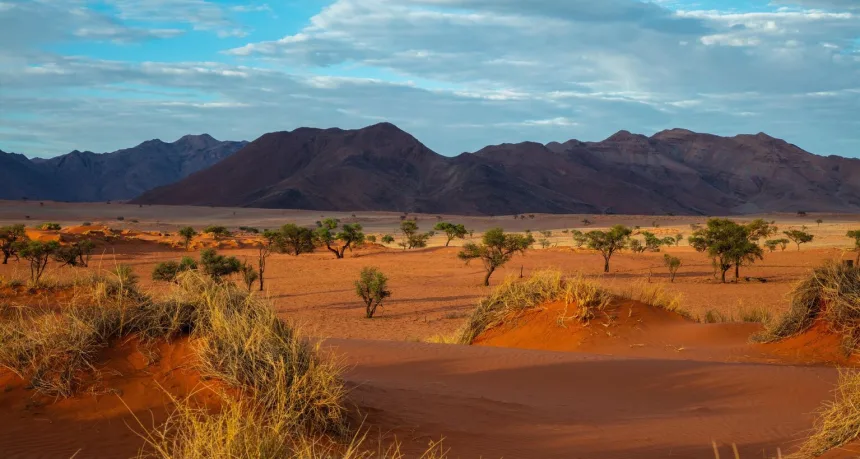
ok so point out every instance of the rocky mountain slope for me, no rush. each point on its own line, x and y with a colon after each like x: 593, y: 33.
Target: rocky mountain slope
x: 384, y: 168
x: 124, y: 174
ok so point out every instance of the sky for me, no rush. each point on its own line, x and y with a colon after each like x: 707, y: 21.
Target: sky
x: 457, y: 74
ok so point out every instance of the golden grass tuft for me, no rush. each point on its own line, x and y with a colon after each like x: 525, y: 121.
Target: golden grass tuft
x: 657, y: 296
x: 830, y: 292
x: 838, y: 421
x: 513, y: 297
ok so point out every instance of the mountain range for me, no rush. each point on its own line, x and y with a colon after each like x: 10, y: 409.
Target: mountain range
x: 384, y: 168
x: 123, y: 174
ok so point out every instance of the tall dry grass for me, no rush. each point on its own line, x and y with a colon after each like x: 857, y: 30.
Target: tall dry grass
x: 655, y: 295
x: 831, y: 292
x: 513, y: 297
x: 838, y: 421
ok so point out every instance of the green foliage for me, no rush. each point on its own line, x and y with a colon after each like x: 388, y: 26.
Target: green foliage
x: 452, y: 231
x: 37, y: 253
x: 636, y: 246
x: 50, y: 227
x: 217, y: 231
x: 652, y: 242
x: 372, y: 288
x: 579, y: 238
x: 799, y: 236
x: 497, y: 249
x: 249, y: 229
x: 412, y: 239
x: 218, y: 266
x: 673, y: 263
x: 9, y: 238
x: 760, y: 229
x: 387, y: 239
x: 678, y: 238
x: 75, y: 254
x: 608, y: 242
x: 350, y: 235
x: 169, y: 270
x: 727, y: 243
x: 187, y: 233
x: 249, y: 275
x: 294, y: 239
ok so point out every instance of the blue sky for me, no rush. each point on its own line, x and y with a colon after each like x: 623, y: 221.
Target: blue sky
x: 458, y: 74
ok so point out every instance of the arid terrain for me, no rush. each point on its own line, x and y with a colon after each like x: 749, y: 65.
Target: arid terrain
x: 646, y: 384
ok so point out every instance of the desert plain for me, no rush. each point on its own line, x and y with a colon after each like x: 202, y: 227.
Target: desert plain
x: 648, y: 384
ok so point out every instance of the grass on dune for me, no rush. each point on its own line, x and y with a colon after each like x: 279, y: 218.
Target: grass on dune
x: 831, y: 292
x: 838, y: 421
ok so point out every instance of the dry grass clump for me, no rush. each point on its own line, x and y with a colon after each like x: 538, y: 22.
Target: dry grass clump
x: 513, y: 297
x: 749, y: 315
x: 831, y: 292
x: 838, y: 421
x: 657, y: 296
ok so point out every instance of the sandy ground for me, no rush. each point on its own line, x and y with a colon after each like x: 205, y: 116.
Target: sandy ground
x: 638, y: 396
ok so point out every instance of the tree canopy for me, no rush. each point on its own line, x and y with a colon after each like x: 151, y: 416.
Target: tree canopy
x: 496, y: 249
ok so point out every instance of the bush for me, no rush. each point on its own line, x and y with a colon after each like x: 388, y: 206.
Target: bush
x: 830, y: 292
x: 10, y: 236
x: 217, y: 231
x: 187, y: 233
x: 37, y: 253
x: 169, y: 270
x: 673, y: 263
x: 50, y: 227
x: 249, y: 229
x: 75, y: 254
x: 370, y: 238
x: 387, y: 239
x: 218, y: 266
x: 249, y: 275
x: 87, y: 224
x: 120, y: 218
x: 371, y: 287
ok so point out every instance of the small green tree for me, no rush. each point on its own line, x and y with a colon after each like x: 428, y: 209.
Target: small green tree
x: 545, y: 241
x: 217, y: 232
x: 169, y: 270
x: 652, y: 242
x: 371, y: 238
x: 372, y: 288
x: 37, y: 253
x: 296, y: 239
x: 608, y: 242
x: 819, y: 221
x: 771, y: 244
x: 799, y: 236
x: 855, y: 234
x: 579, y: 238
x: 75, y: 254
x: 387, y: 239
x: 678, y: 238
x: 273, y: 241
x: 50, y: 227
x: 218, y: 266
x: 636, y: 246
x: 9, y: 238
x: 673, y: 263
x: 452, y: 231
x: 497, y: 249
x: 760, y: 229
x: 412, y: 239
x: 249, y: 275
x: 187, y: 233
x: 349, y: 235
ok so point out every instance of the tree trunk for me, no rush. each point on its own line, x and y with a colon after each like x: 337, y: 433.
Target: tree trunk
x: 5, y: 257
x: 856, y: 261
x: 724, y: 275
x: 448, y: 243
x: 737, y: 271
x: 487, y: 277
x: 261, y: 264
x: 606, y: 264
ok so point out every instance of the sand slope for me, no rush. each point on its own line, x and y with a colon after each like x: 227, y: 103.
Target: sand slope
x: 512, y: 403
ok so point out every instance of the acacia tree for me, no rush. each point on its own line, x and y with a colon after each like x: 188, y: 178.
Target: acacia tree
x: 217, y: 231
x: 249, y: 275
x: 855, y: 234
x: 497, y: 248
x: 350, y: 235
x: 673, y: 263
x: 296, y: 239
x: 412, y: 239
x: 9, y: 237
x: 799, y: 236
x: 37, y: 253
x: 727, y: 243
x: 608, y: 242
x: 187, y: 233
x: 75, y: 254
x: 372, y: 288
x: 452, y: 231
x: 218, y: 266
x: 760, y: 229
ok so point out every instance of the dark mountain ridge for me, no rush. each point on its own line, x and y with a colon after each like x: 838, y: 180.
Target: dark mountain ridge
x: 384, y: 168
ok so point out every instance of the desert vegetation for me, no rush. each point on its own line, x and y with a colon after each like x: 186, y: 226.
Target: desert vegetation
x: 496, y: 249
x: 608, y: 242
x: 350, y: 235
x: 372, y: 288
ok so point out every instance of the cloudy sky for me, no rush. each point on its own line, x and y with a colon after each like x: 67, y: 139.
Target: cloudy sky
x: 457, y: 74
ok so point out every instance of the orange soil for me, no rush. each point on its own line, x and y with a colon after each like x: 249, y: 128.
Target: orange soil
x: 101, y: 421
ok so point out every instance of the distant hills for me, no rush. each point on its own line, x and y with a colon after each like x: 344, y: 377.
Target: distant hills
x: 124, y: 174
x: 384, y: 168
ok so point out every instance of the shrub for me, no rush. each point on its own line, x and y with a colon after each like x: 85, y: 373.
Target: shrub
x: 187, y: 233
x: 249, y: 229
x: 497, y: 249
x: 87, y: 224
x: 10, y: 236
x: 37, y: 253
x: 412, y: 239
x: 50, y: 227
x: 370, y: 238
x: 830, y: 292
x: 217, y: 231
x: 218, y: 266
x: 249, y: 275
x: 371, y: 287
x: 120, y: 218
x: 75, y: 254
x: 673, y: 263
x: 169, y: 270
x: 387, y: 239
x: 295, y: 240
x: 608, y: 242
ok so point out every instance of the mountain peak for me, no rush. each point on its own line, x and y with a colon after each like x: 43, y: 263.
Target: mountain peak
x: 624, y: 136
x: 197, y: 141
